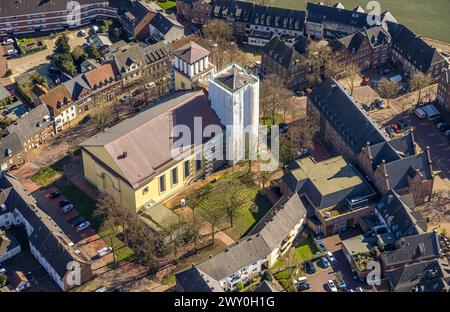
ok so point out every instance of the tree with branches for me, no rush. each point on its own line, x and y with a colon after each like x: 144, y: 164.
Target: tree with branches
x: 417, y: 82
x: 274, y: 97
x: 231, y: 201
x: 321, y: 62
x: 387, y: 89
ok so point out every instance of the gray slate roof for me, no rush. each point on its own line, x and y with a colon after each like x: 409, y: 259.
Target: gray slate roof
x: 9, y: 145
x: 4, y: 94
x: 413, y: 47
x: 345, y: 115
x: 282, y: 53
x: 31, y: 124
x: 234, y: 78
x: 126, y: 56
x: 399, y: 217
x: 194, y: 280
x: 419, y: 277
x: 413, y: 249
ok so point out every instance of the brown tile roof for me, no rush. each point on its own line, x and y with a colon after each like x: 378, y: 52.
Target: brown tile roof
x: 100, y: 75
x: 191, y: 52
x: 57, y: 99
x: 185, y: 40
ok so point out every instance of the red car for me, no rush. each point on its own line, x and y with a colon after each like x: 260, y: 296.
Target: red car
x: 396, y: 128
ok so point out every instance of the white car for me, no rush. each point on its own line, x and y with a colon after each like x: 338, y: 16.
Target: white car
x: 2, y: 271
x: 332, y: 286
x: 125, y: 97
x: 331, y: 257
x: 7, y: 41
x: 101, y: 289
x: 104, y: 251
x: 12, y: 52
x: 83, y: 226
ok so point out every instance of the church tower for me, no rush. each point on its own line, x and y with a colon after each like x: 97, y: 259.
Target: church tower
x: 234, y: 96
x: 190, y: 66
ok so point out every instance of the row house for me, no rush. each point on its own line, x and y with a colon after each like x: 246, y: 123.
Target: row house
x: 45, y: 16
x: 332, y: 22
x: 129, y: 63
x: 11, y: 152
x: 354, y: 49
x: 194, y: 11
x: 270, y: 239
x: 48, y: 243
x: 286, y: 61
x: 412, y: 54
x: 99, y: 84
x: 61, y: 106
x: 237, y: 14
x: 443, y: 91
x: 393, y: 164
x: 135, y: 21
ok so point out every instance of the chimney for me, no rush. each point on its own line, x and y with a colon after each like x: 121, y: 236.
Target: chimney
x: 390, y: 198
x: 124, y: 154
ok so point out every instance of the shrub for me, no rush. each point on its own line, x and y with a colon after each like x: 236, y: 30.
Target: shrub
x: 3, y: 280
x: 268, y: 276
x: 239, y: 286
x: 9, y: 72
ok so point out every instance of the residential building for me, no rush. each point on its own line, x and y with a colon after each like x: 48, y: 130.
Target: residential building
x: 267, y: 21
x: 412, y: 54
x: 286, y: 61
x: 411, y: 249
x: 129, y: 63
x: 190, y: 66
x: 165, y: 28
x: 381, y: 46
x: 48, y: 243
x: 271, y: 238
x: 354, y: 48
x: 61, y: 106
x: 11, y: 152
x: 195, y: 11
x: 89, y: 65
x: 50, y: 16
x: 333, y: 190
x: 34, y: 128
x: 443, y: 91
x: 236, y: 14
x: 393, y: 164
x: 9, y: 246
x: 96, y: 85
x: 123, y: 162
x: 234, y: 96
x: 135, y: 21
x: 428, y: 276
x: 100, y: 40
x: 331, y: 22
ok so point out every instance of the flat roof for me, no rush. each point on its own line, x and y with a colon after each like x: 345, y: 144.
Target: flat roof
x: 328, y: 176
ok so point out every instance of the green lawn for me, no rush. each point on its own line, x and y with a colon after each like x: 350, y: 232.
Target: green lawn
x: 254, y: 206
x: 430, y: 18
x: 268, y: 121
x: 304, y: 251
x: 46, y: 176
x: 122, y: 252
x: 168, y: 5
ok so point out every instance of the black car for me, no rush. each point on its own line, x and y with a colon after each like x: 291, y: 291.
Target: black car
x: 310, y: 268
x: 299, y: 93
x: 438, y: 120
x: 283, y: 127
x: 389, y: 131
x: 77, y: 221
x: 63, y: 202
x: 85, y: 120
x: 402, y: 125
x: 367, y: 107
x: 303, y: 286
x: 55, y: 194
x: 378, y: 104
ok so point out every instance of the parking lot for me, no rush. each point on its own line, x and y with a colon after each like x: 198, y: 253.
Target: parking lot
x: 319, y: 279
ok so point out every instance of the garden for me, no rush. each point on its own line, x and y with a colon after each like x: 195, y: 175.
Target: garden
x: 30, y: 45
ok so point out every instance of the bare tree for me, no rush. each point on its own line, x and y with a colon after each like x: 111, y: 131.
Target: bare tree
x: 321, y: 62
x: 160, y: 79
x: 300, y: 136
x: 419, y: 81
x: 218, y: 38
x: 214, y: 216
x: 231, y: 201
x: 264, y: 178
x: 436, y: 209
x: 349, y: 72
x: 387, y: 89
x: 274, y: 97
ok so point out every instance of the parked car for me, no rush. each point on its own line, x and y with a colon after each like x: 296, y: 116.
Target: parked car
x: 330, y: 257
x: 367, y: 107
x: 419, y: 113
x: 67, y: 208
x: 77, y: 221
x: 63, y: 202
x: 321, y: 245
x: 378, y: 104
x: 2, y: 271
x: 55, y: 194
x: 85, y: 119
x: 7, y: 41
x: 309, y: 267
x: 12, y: 52
x: 302, y: 152
x: 389, y: 131
x: 104, y: 251
x: 283, y: 127
x: 101, y: 289
x: 341, y: 284
x: 83, y: 226
x: 125, y: 97
x: 396, y: 128
x: 82, y: 33
x: 299, y: 93
x: 302, y: 284
x: 325, y: 263
x: 441, y: 125
x: 403, y: 126
x: 331, y: 286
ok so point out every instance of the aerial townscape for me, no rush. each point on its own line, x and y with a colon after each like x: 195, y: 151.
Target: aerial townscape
x: 224, y: 146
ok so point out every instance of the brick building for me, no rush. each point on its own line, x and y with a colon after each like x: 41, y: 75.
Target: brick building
x: 443, y: 92
x: 195, y: 11
x: 19, y: 17
x: 387, y: 164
